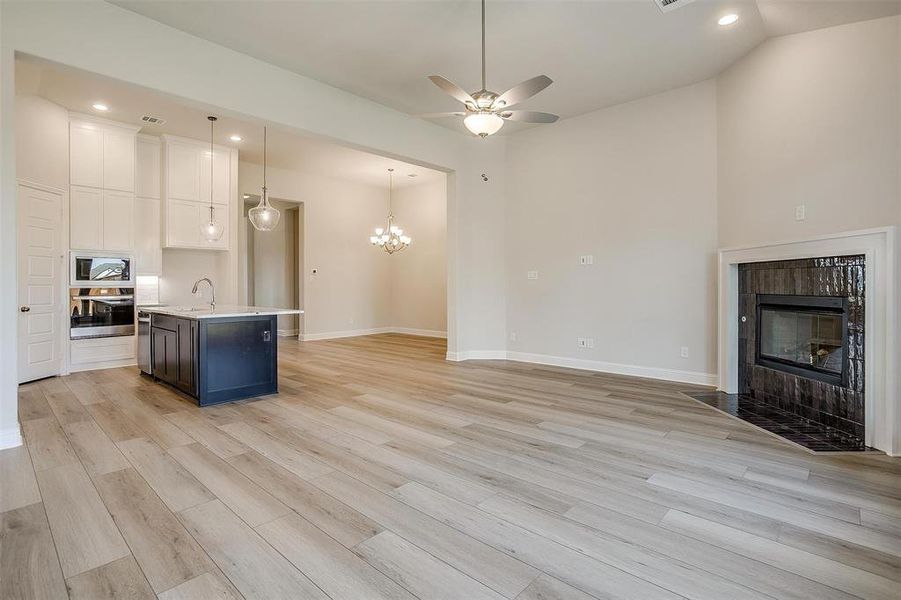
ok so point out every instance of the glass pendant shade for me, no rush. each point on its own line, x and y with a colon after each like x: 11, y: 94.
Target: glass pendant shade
x: 483, y: 124
x: 211, y: 229
x: 264, y: 216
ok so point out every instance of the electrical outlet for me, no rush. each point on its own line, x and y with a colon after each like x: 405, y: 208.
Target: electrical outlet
x: 586, y: 259
x: 585, y: 342
x: 512, y: 336
x: 684, y: 352
x: 532, y: 275
x: 800, y: 212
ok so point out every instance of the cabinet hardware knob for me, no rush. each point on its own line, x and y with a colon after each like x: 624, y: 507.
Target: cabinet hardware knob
x: 24, y: 308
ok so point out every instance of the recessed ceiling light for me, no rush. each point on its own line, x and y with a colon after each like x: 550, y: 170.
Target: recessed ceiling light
x: 101, y: 107
x: 246, y: 196
x: 728, y: 19
x: 235, y: 138
x: 411, y: 174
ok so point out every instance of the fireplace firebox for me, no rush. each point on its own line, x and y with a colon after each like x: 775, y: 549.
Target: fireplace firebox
x: 804, y: 335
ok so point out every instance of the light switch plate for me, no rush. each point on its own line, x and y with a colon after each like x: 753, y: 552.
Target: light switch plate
x: 532, y: 275
x: 800, y: 212
x: 586, y: 259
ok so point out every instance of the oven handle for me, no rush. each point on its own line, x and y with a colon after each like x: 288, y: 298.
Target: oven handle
x: 126, y: 297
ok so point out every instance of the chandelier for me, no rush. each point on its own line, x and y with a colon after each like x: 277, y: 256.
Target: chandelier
x: 391, y: 238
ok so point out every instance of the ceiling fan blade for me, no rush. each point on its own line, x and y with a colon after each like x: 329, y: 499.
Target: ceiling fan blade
x: 523, y: 91
x: 452, y: 89
x: 439, y: 115
x: 528, y: 116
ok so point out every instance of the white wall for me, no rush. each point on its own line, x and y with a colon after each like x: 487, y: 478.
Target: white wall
x: 418, y: 274
x: 634, y: 186
x: 811, y: 119
x: 42, y: 145
x: 182, y: 267
x: 351, y: 290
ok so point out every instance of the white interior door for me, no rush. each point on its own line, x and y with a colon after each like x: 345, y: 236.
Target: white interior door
x: 39, y: 280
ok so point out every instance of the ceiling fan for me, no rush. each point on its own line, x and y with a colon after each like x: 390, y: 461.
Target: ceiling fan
x: 486, y: 111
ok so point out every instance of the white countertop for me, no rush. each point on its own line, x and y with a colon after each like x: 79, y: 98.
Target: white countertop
x: 221, y: 311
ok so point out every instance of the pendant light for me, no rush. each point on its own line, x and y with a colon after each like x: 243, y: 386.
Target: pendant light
x: 264, y: 216
x: 211, y: 230
x: 391, y: 239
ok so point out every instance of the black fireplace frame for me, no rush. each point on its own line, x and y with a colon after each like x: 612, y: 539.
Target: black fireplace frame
x: 805, y: 304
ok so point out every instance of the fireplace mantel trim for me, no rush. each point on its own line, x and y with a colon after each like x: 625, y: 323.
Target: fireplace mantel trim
x: 882, y: 397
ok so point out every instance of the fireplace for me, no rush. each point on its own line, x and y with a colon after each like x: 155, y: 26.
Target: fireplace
x: 803, y: 335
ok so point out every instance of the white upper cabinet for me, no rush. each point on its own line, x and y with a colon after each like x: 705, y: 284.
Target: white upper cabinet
x: 85, y: 218
x: 148, y: 245
x: 147, y: 239
x: 221, y: 182
x: 118, y: 220
x: 118, y: 160
x: 182, y: 171
x: 102, y: 184
x: 186, y: 191
x: 85, y: 154
x: 147, y: 167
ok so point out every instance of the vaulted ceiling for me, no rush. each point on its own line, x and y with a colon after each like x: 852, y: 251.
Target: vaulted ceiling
x: 599, y: 53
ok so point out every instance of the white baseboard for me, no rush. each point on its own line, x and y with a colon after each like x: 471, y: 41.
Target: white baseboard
x: 693, y: 377
x: 334, y: 335
x: 287, y: 332
x: 10, y: 438
x: 434, y: 333
x: 477, y: 355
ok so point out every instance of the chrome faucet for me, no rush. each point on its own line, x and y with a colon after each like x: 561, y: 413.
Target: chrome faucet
x: 212, y: 291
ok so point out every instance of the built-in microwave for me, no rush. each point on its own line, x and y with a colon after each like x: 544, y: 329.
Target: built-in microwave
x: 101, y: 269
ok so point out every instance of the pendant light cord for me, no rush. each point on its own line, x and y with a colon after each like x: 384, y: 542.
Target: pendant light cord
x: 212, y: 120
x: 264, y: 157
x: 483, y: 45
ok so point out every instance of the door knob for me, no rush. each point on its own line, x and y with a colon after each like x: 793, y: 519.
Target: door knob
x: 24, y: 308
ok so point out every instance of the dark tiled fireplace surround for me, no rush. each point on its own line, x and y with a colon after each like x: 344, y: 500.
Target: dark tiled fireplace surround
x: 815, y: 413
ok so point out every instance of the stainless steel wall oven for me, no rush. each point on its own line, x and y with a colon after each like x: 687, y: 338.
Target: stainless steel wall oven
x: 101, y: 312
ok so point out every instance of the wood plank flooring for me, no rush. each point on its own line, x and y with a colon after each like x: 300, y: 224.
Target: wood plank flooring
x: 383, y: 471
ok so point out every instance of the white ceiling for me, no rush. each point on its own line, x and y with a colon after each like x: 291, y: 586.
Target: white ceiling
x: 598, y: 52
x: 78, y: 90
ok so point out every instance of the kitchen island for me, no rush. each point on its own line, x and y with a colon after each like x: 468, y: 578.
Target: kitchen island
x: 216, y: 354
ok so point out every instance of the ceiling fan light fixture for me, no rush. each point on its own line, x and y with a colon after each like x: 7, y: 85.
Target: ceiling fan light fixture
x: 483, y: 123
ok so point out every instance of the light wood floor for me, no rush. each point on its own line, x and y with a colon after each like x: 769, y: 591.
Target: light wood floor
x: 382, y: 471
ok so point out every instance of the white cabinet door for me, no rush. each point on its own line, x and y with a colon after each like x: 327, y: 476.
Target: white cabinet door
x: 85, y: 218
x: 85, y: 154
x: 147, y: 168
x: 183, y: 171
x: 148, y: 252
x: 118, y: 220
x: 118, y: 160
x: 183, y: 224
x: 221, y: 176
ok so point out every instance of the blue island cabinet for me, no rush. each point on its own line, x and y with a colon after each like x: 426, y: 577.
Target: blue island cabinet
x: 218, y: 359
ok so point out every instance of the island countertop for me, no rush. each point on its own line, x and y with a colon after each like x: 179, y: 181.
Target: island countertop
x: 220, y: 312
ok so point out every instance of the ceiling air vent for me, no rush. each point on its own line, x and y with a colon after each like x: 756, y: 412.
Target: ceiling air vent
x: 668, y: 5
x: 151, y: 120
